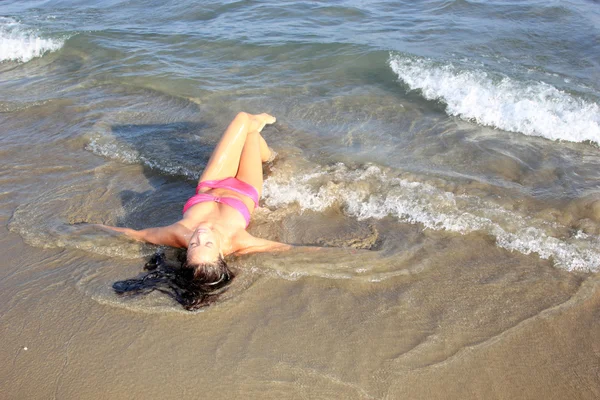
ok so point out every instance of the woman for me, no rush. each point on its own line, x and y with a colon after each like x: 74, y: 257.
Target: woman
x: 214, y: 221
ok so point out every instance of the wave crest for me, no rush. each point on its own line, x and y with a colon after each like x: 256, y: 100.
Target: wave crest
x: 369, y: 193
x: 531, y: 108
x: 18, y: 43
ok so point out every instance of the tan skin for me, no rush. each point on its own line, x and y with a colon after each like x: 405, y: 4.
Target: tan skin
x: 210, y: 229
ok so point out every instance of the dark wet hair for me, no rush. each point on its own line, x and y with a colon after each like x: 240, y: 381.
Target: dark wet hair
x: 193, y: 285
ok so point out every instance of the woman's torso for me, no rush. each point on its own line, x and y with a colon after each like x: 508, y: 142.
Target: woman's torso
x: 229, y: 220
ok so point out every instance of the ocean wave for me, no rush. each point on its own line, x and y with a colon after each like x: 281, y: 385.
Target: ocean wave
x: 369, y: 193
x: 531, y: 108
x: 19, y: 43
x: 107, y: 146
x: 53, y: 221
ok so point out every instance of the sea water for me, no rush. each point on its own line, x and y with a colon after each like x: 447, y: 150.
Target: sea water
x: 409, y: 134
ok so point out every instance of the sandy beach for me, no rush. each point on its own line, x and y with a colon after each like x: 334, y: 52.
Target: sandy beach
x: 446, y: 158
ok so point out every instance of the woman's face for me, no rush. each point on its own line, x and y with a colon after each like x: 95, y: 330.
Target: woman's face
x: 204, y: 246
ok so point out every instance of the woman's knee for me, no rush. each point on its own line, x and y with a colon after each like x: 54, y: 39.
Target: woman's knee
x: 242, y: 117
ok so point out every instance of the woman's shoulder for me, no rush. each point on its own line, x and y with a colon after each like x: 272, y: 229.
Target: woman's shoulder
x: 179, y: 232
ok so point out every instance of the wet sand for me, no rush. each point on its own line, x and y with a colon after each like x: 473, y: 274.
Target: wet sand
x: 449, y: 334
x: 462, y: 253
x: 424, y: 314
x: 464, y: 319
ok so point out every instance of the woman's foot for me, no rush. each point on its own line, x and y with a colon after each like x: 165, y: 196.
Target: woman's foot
x: 272, y: 156
x: 258, y: 121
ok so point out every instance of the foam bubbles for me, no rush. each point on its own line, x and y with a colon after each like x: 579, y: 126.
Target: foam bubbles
x: 531, y: 108
x: 18, y: 43
x: 368, y: 193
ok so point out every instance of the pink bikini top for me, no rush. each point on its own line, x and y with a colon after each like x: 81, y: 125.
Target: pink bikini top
x: 233, y: 184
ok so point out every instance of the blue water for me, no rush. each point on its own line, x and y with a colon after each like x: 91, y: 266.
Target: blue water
x: 462, y: 116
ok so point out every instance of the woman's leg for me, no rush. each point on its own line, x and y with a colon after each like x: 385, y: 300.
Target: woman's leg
x: 265, y: 151
x: 254, y: 153
x: 225, y: 159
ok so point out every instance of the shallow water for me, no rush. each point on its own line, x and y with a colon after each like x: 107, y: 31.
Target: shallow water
x: 446, y: 153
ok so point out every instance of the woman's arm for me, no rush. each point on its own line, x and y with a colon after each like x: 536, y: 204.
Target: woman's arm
x: 263, y: 246
x: 252, y: 244
x: 165, y: 235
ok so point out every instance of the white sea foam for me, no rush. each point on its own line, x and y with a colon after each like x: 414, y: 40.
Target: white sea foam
x: 531, y: 108
x: 19, y: 43
x: 368, y: 193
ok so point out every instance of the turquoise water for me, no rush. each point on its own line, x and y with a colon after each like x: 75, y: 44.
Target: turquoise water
x: 458, y: 116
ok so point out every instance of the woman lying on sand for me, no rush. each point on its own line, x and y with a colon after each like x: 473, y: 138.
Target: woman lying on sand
x: 214, y: 221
